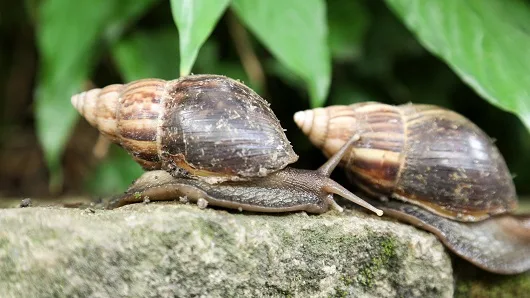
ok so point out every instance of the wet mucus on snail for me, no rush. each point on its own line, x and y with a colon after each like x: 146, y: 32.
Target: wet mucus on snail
x: 432, y: 168
x: 209, y: 138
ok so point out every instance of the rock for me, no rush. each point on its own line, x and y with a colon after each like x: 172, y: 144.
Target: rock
x: 175, y: 250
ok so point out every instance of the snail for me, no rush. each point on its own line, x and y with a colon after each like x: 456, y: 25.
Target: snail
x: 442, y: 172
x: 209, y: 138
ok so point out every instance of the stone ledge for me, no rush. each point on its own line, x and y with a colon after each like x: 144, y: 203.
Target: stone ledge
x: 167, y: 250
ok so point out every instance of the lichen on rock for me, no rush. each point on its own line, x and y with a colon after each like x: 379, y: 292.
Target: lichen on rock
x: 177, y: 250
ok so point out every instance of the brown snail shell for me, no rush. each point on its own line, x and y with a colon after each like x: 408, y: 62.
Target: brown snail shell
x: 206, y: 126
x: 439, y: 161
x: 421, y: 154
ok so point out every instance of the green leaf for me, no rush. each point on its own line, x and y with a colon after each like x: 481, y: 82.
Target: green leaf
x: 148, y: 54
x: 195, y: 20
x: 295, y: 31
x: 67, y: 37
x: 485, y: 42
x: 348, y: 23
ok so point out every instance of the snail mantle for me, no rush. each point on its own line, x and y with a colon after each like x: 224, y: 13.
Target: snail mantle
x: 179, y: 250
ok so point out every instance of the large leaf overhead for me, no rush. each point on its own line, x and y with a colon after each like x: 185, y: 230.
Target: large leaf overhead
x: 485, y: 42
x: 195, y: 20
x: 295, y: 32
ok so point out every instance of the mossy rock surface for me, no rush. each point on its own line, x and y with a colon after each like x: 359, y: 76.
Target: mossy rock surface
x: 172, y: 250
x: 472, y: 282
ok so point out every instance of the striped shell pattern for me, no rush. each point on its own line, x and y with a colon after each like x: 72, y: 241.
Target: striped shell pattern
x: 202, y: 125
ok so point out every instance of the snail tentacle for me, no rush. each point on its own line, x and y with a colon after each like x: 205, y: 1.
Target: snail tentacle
x: 334, y: 187
x: 332, y: 163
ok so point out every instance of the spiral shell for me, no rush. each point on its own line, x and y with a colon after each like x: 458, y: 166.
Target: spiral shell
x: 421, y: 154
x: 199, y: 125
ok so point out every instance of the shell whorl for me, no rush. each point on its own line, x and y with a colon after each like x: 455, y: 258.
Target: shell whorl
x: 128, y: 115
x: 201, y: 125
x: 325, y: 128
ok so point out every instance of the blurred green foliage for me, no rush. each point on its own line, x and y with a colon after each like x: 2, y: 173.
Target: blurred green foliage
x: 67, y: 44
x: 297, y: 54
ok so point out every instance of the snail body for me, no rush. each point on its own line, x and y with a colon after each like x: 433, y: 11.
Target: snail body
x: 209, y: 138
x: 421, y: 154
x: 445, y: 173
